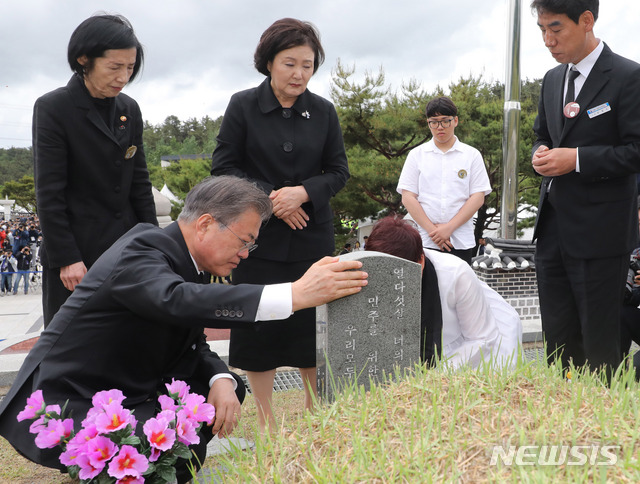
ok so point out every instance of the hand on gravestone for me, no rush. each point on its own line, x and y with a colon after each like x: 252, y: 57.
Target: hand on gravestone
x: 327, y: 280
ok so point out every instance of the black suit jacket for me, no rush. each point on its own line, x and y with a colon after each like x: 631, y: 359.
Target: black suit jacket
x: 88, y: 194
x: 596, y: 208
x: 277, y: 147
x: 134, y: 323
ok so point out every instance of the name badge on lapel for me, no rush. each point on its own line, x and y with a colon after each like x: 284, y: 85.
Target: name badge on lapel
x: 131, y: 151
x: 598, y: 110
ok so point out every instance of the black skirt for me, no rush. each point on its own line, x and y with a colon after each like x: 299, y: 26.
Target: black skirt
x: 270, y: 344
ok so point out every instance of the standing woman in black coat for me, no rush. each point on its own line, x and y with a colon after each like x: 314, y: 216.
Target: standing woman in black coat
x: 289, y: 142
x: 92, y: 183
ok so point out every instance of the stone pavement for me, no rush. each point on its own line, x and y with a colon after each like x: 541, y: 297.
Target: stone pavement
x: 20, y: 326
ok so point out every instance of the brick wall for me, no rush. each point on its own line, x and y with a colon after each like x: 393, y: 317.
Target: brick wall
x: 518, y: 287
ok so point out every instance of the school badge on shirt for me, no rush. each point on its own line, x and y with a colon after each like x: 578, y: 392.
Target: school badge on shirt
x: 462, y: 174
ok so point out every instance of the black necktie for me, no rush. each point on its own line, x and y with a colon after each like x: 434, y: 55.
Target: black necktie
x: 571, y: 87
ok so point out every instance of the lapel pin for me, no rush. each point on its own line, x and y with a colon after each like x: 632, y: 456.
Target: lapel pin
x: 571, y: 110
x: 123, y: 118
x: 306, y: 115
x: 130, y: 152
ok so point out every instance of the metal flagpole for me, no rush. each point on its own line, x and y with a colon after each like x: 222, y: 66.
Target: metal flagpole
x: 511, y: 130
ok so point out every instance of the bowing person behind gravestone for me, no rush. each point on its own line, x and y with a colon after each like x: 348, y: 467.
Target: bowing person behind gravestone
x: 477, y: 323
x: 137, y: 319
x: 288, y: 140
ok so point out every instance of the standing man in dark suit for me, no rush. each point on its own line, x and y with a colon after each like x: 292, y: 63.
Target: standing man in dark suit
x: 588, y: 150
x: 91, y: 178
x: 137, y: 318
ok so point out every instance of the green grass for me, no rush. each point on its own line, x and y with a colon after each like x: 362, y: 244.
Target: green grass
x: 15, y: 469
x: 441, y: 426
x: 433, y: 426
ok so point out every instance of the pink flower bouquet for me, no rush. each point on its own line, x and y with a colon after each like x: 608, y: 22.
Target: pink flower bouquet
x: 107, y: 450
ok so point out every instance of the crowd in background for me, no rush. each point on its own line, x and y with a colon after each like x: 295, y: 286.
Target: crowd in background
x: 20, y: 241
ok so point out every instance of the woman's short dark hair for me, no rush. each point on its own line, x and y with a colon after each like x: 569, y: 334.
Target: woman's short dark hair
x: 285, y: 34
x: 100, y: 33
x: 394, y: 236
x: 441, y: 106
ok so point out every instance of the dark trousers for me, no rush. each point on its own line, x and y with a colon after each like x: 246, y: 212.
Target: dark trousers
x: 580, y: 300
x: 629, y: 329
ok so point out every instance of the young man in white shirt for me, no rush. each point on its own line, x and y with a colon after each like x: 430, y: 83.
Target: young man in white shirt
x: 443, y: 184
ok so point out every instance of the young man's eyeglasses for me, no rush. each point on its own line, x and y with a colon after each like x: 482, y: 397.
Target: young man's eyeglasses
x: 246, y: 245
x: 445, y: 123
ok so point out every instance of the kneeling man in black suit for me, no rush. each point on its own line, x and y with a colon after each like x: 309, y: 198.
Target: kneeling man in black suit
x: 137, y: 319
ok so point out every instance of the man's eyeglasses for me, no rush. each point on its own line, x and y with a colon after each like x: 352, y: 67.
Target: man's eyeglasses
x: 246, y: 245
x: 445, y: 123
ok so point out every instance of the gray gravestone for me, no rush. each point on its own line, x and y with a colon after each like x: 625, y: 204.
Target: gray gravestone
x: 368, y: 335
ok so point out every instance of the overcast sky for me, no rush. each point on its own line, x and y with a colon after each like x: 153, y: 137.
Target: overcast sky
x: 199, y: 52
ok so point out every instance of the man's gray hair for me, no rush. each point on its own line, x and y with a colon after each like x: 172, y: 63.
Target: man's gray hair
x: 225, y: 198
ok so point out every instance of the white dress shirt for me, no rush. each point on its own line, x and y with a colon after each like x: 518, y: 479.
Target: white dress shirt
x: 584, y: 67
